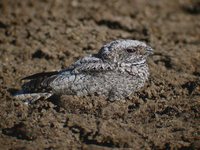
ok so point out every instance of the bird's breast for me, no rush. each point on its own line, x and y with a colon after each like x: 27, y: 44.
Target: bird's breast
x: 134, y: 70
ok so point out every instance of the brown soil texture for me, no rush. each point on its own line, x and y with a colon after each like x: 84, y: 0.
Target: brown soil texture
x: 37, y: 36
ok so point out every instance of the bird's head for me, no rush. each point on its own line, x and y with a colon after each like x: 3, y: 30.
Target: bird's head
x: 125, y: 51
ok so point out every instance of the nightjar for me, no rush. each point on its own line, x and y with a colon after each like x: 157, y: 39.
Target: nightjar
x: 116, y: 71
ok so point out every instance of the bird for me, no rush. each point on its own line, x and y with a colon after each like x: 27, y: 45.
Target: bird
x: 116, y: 71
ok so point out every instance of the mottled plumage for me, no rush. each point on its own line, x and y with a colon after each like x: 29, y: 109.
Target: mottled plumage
x: 116, y: 71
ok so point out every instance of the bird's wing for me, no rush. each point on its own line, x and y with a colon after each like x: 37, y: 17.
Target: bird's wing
x: 39, y: 75
x: 39, y: 82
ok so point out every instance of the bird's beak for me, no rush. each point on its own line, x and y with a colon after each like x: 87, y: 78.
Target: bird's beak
x: 149, y: 50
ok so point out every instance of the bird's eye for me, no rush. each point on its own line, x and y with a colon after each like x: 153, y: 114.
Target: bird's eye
x: 129, y: 50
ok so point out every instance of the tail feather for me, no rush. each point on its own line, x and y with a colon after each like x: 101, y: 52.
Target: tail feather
x: 29, y: 98
x: 37, y: 87
x: 39, y: 82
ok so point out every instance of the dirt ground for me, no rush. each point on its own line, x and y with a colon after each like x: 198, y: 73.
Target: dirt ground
x: 38, y: 36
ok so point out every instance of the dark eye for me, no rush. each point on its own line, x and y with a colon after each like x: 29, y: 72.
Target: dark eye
x: 129, y: 50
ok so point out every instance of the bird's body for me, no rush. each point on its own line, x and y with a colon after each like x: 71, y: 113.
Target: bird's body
x: 116, y: 71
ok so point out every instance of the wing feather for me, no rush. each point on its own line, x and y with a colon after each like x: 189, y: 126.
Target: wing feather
x: 89, y: 64
x: 39, y: 82
x: 39, y: 75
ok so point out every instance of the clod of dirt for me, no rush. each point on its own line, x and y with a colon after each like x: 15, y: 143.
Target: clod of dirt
x: 192, y: 8
x: 42, y: 53
x: 3, y: 25
x: 19, y: 131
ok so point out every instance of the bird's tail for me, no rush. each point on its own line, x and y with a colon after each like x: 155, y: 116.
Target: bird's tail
x: 29, y: 98
x: 37, y: 87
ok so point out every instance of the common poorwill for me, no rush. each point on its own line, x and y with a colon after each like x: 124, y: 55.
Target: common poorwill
x: 116, y: 71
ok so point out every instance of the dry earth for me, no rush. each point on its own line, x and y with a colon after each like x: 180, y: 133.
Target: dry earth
x: 46, y: 35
